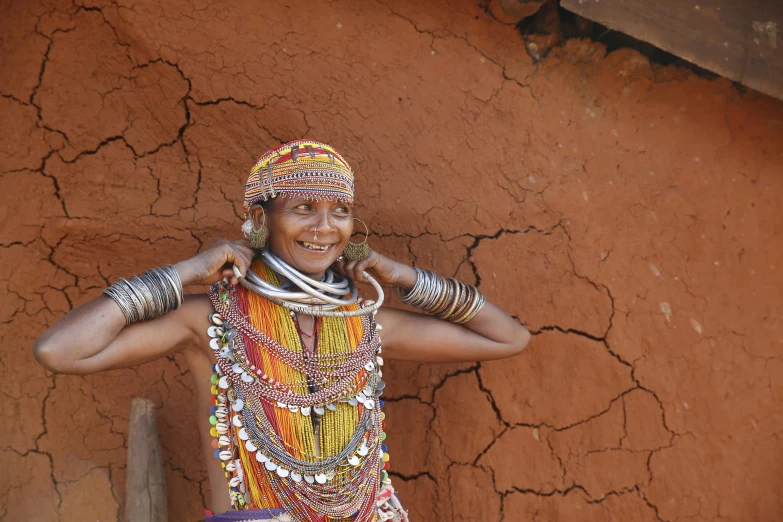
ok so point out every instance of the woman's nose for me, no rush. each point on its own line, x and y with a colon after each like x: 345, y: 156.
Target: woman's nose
x: 324, y: 221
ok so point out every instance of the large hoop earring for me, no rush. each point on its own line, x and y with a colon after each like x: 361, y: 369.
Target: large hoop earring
x: 358, y: 251
x: 256, y: 236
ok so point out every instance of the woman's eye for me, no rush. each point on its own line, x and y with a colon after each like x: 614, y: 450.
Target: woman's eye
x: 304, y: 206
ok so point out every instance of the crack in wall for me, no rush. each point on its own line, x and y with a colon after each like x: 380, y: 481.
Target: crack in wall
x: 194, y: 159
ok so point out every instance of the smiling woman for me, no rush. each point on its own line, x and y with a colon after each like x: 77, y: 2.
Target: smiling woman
x: 306, y: 233
x: 285, y: 357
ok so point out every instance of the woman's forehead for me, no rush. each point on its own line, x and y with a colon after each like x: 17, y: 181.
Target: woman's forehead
x: 292, y: 201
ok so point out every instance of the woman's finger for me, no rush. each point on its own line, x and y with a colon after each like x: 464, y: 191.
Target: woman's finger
x: 364, y: 265
x: 340, y: 267
x: 358, y: 270
x: 233, y: 256
x: 246, y: 255
x: 242, y: 244
x: 349, y: 269
x: 242, y: 261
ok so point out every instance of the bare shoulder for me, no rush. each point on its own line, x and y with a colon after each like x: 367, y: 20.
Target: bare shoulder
x: 194, y: 313
x: 196, y: 308
x: 389, y: 318
x: 397, y: 324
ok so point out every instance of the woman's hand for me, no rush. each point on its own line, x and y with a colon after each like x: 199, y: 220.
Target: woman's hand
x: 410, y: 336
x: 386, y: 271
x: 215, y: 263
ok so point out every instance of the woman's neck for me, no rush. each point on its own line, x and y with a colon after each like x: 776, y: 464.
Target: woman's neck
x: 318, y: 276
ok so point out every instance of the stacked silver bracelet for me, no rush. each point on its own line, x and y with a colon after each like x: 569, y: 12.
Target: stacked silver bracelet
x: 447, y: 299
x: 155, y: 293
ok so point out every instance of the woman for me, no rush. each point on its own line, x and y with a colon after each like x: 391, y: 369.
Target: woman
x: 285, y: 358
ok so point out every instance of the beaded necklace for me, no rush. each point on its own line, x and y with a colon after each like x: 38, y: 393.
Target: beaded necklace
x: 264, y: 412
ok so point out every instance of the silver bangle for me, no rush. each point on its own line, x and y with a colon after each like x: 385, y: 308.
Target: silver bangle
x: 114, y: 292
x: 155, y: 293
x: 148, y: 293
x: 450, y: 300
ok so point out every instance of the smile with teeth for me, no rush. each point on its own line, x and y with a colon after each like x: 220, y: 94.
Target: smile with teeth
x: 313, y: 246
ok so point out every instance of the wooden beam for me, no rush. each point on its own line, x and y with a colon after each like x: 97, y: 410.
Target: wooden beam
x: 739, y: 39
x: 145, y: 489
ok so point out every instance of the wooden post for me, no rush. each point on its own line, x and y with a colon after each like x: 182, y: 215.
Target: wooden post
x: 145, y: 490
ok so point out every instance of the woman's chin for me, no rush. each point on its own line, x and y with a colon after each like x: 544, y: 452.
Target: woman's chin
x: 312, y: 267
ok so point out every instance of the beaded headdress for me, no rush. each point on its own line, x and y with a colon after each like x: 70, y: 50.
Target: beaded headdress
x: 300, y: 168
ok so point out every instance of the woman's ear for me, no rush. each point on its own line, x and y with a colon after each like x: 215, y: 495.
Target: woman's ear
x: 258, y: 215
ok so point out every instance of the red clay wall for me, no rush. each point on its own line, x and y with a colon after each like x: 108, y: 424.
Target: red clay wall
x: 629, y: 215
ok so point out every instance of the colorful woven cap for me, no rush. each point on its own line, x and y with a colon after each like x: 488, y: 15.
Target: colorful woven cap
x: 302, y: 168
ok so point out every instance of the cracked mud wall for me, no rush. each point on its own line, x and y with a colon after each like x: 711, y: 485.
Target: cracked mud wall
x: 628, y: 214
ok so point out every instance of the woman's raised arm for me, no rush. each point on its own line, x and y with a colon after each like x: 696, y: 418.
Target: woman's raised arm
x: 94, y: 337
x: 489, y: 334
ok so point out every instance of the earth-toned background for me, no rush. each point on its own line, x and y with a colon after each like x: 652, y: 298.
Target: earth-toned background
x: 628, y: 214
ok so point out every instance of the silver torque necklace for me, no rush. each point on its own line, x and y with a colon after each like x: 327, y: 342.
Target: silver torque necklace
x: 317, y: 298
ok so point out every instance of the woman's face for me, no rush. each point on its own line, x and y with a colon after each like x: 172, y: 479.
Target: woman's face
x: 292, y: 224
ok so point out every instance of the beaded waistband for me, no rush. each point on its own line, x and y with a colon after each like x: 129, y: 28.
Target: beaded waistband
x: 251, y: 515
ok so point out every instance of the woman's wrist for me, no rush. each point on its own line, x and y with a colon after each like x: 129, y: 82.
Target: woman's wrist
x: 407, y: 277
x: 186, y: 272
